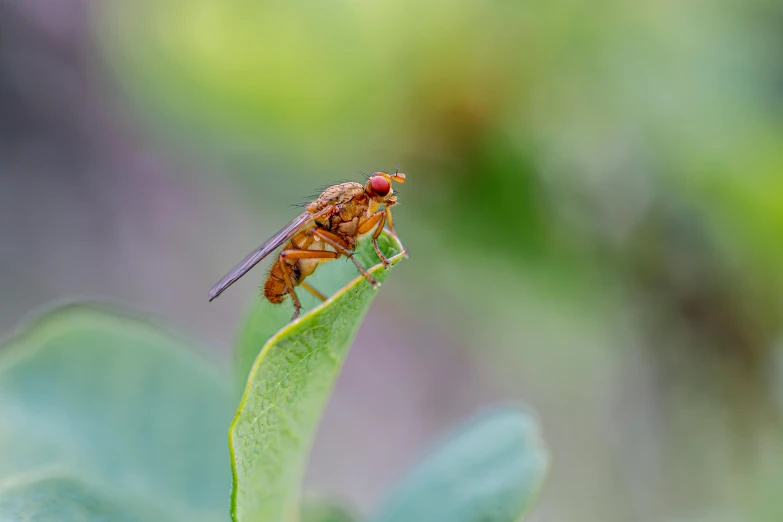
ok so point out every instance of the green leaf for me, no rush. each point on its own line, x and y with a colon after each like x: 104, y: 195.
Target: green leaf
x: 488, y: 470
x: 261, y: 322
x: 265, y: 319
x: 286, y: 392
x: 67, y: 499
x: 119, y: 401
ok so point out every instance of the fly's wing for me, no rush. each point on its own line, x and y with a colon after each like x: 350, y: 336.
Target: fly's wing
x: 264, y: 250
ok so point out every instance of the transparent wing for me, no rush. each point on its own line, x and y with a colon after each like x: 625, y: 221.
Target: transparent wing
x: 264, y: 250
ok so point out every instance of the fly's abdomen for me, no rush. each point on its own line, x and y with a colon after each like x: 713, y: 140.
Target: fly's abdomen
x: 275, y: 288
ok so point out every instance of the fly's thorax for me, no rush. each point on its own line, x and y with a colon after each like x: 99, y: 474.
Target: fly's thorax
x: 336, y: 195
x: 346, y: 229
x: 345, y: 221
x: 353, y: 210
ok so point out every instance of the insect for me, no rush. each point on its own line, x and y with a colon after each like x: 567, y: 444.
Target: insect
x: 336, y: 220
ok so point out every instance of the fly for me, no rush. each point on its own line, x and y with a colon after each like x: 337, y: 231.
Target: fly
x: 337, y: 219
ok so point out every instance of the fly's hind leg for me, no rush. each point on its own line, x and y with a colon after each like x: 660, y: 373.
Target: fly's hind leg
x: 338, y: 244
x: 313, y: 291
x: 289, y: 280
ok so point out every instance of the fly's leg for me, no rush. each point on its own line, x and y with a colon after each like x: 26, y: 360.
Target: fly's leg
x: 389, y: 220
x: 289, y: 283
x: 338, y: 244
x: 300, y: 254
x: 379, y: 218
x: 313, y: 291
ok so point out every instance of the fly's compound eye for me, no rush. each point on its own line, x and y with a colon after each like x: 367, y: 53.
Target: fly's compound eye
x: 380, y: 185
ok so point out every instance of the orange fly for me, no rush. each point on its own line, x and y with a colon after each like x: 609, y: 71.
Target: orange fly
x: 336, y: 220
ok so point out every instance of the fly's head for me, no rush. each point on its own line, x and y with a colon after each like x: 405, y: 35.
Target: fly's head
x: 379, y: 186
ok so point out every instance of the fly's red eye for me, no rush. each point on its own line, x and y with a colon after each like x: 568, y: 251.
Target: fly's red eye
x: 380, y: 185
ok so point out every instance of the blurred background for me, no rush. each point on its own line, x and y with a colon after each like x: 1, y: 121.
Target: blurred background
x: 593, y: 210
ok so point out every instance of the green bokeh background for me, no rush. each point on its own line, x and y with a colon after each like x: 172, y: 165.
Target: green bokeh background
x: 593, y: 209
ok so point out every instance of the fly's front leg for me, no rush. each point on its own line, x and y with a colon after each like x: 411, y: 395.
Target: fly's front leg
x: 389, y: 220
x: 376, y: 220
x: 289, y: 281
x: 338, y: 244
x: 388, y: 205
